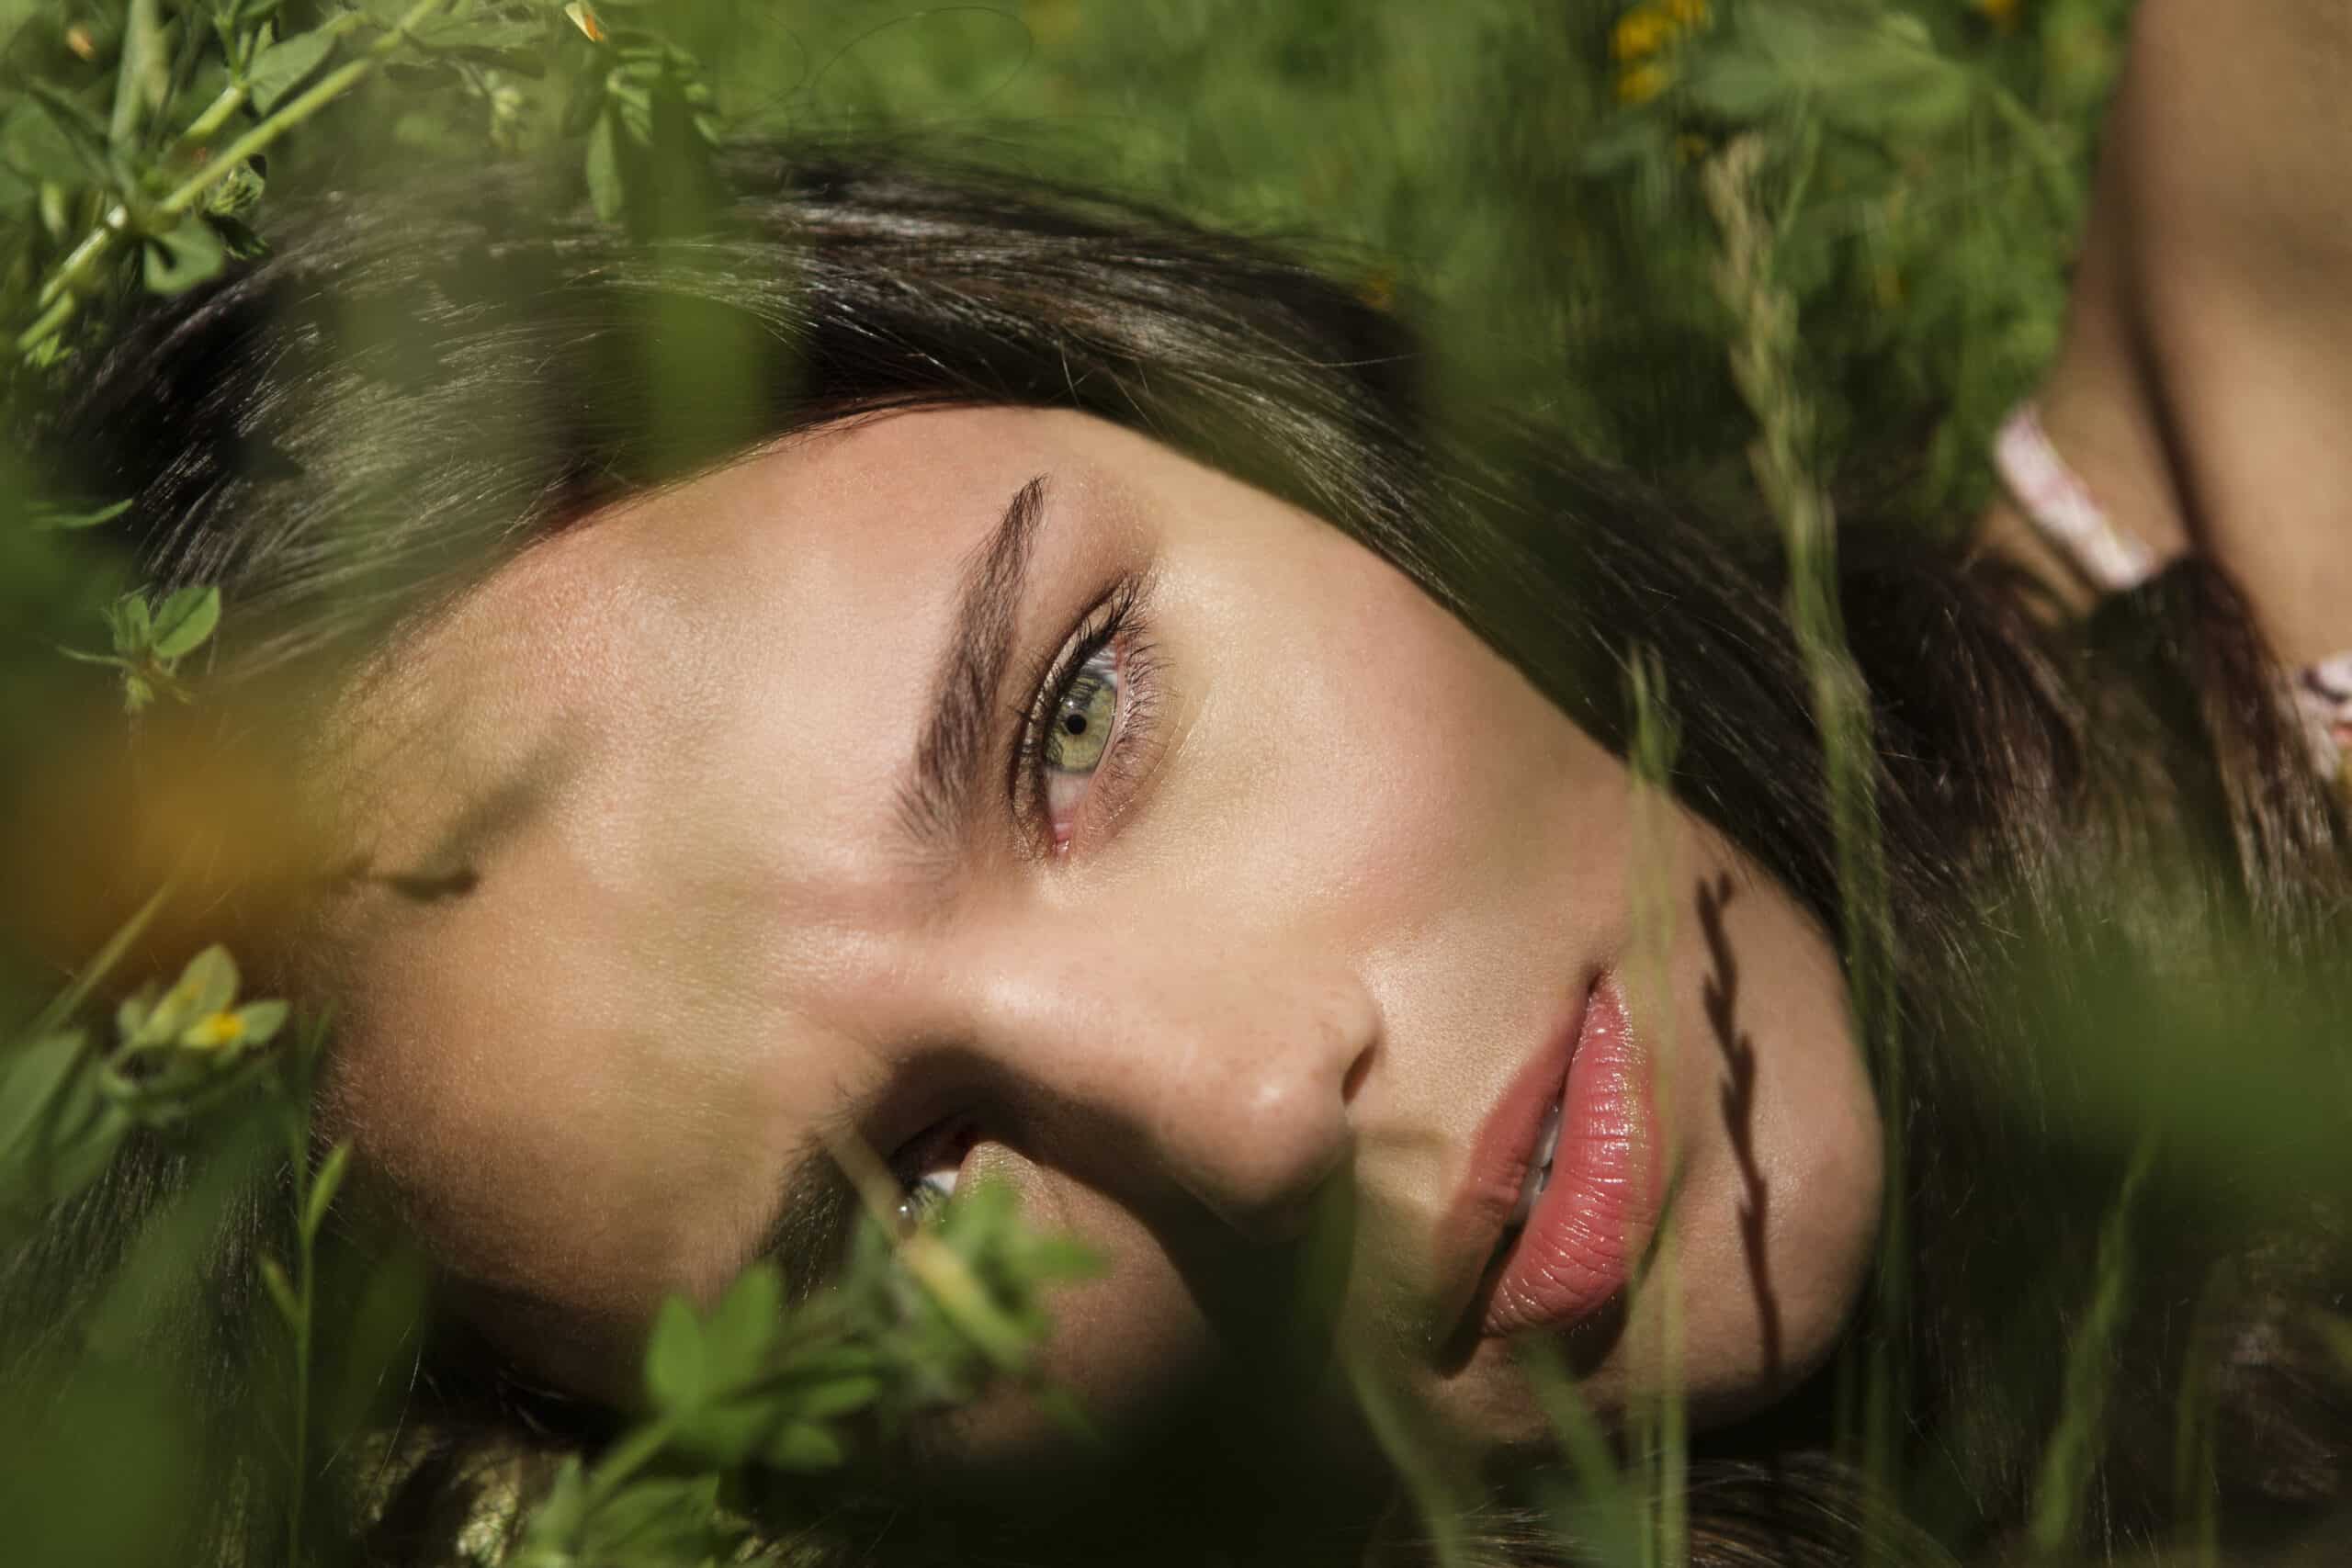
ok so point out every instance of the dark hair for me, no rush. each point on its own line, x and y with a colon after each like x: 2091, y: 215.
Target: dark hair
x: 411, y: 386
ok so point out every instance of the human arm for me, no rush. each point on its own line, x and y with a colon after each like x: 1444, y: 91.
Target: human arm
x: 2205, y: 373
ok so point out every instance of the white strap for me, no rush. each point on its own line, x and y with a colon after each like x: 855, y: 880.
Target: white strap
x: 2058, y: 502
x: 2054, y: 497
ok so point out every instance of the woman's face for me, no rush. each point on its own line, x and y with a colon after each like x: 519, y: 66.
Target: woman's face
x: 716, y: 830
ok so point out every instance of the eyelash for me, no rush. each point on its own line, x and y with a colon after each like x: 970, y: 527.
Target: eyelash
x: 1117, y: 621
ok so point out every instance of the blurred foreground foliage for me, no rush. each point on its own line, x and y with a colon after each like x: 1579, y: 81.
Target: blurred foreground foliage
x: 1528, y: 178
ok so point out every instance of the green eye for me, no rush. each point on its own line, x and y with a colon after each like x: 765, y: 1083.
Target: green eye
x: 1081, y: 727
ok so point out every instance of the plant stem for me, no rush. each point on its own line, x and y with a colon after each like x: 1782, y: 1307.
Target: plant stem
x: 329, y: 88
x: 301, y: 1409
x: 61, y: 297
x: 2071, y: 1459
x: 1764, y: 366
x: 204, y: 126
x: 297, y: 1144
x: 626, y: 1458
x: 68, y: 1001
x: 1662, y: 1422
x: 140, y: 32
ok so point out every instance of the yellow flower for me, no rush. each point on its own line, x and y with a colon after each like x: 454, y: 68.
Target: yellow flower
x: 2003, y: 13
x: 1688, y: 15
x: 1640, y: 33
x: 214, y: 1030
x: 1643, y: 83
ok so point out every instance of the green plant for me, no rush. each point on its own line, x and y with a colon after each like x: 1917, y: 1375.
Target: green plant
x: 1761, y: 249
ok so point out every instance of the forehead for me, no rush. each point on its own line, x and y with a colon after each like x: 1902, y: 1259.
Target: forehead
x: 693, y: 704
x: 799, y: 593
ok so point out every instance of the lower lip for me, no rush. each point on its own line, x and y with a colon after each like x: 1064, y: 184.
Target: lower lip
x: 1595, y: 1215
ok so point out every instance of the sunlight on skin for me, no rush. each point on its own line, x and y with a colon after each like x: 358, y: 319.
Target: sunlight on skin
x: 2200, y: 389
x: 1350, y: 876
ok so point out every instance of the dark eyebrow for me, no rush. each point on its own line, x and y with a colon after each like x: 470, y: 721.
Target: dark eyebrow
x: 935, y: 806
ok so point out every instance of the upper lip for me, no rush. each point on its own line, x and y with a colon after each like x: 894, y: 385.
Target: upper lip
x: 1481, y: 1208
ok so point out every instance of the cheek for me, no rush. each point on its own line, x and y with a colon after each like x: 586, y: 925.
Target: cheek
x: 1784, y: 1127
x: 544, y: 1122
x: 1367, y: 751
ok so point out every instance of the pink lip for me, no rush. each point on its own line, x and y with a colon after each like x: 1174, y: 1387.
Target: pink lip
x: 1577, y: 1248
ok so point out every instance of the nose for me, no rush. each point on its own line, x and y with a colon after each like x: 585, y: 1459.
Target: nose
x: 1230, y: 1075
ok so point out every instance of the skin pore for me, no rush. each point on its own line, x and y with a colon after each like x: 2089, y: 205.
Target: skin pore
x: 673, y: 915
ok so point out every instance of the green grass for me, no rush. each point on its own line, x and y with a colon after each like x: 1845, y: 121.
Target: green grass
x: 1793, y: 248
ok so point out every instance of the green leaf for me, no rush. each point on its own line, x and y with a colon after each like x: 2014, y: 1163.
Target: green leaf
x: 143, y: 72
x: 237, y: 194
x: 496, y: 36
x: 724, y: 1435
x: 282, y: 67
x: 675, y: 1369
x: 130, y: 1014
x: 322, y: 1191
x: 281, y: 1290
x: 31, y: 1075
x: 83, y: 1152
x: 206, y: 985
x: 186, y: 619
x: 63, y: 520
x: 804, y: 1446
x: 604, y: 188
x: 32, y: 144
x: 835, y: 1397
x: 135, y: 626
x: 666, y: 1521
x: 829, y: 1363
x: 261, y: 1020
x: 187, y: 256
x: 742, y: 1329
x: 556, y: 1522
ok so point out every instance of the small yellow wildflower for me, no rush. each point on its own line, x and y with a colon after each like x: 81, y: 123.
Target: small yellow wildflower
x: 1640, y: 33
x: 1692, y: 15
x: 1643, y: 83
x: 213, y: 1032
x: 2003, y: 13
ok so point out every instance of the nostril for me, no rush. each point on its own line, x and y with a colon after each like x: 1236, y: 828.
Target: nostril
x: 1358, y: 1070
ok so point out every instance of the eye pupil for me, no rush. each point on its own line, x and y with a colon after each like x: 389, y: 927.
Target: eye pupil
x: 1082, y: 724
